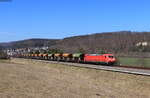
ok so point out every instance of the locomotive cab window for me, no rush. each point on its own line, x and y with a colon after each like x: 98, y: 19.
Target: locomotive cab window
x: 111, y: 56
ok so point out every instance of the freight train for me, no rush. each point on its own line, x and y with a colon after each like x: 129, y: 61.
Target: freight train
x: 107, y: 59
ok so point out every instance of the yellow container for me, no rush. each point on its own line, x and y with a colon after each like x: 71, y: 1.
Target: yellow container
x: 45, y: 54
x: 40, y: 54
x: 36, y: 55
x: 57, y: 54
x: 66, y: 54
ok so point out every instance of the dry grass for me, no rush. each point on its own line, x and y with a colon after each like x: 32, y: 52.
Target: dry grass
x: 31, y: 79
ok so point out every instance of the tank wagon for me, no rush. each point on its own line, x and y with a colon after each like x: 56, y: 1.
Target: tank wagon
x: 108, y: 59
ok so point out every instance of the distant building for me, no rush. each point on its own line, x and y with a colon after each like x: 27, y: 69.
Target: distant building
x: 142, y: 44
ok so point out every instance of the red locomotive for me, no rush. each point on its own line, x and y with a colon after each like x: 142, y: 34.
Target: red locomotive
x: 108, y: 59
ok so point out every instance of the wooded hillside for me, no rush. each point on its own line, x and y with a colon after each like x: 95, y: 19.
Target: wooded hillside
x: 122, y: 43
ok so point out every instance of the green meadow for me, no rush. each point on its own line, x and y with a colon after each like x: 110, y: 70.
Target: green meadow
x: 139, y: 62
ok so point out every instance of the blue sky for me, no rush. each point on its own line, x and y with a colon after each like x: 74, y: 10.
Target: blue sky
x: 22, y: 19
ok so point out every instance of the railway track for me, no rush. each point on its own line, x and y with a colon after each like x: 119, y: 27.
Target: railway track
x: 122, y: 69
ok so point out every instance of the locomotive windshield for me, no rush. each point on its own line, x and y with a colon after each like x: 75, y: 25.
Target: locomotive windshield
x: 111, y: 56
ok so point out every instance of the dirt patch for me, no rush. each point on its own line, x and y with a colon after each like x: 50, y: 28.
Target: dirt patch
x: 32, y: 79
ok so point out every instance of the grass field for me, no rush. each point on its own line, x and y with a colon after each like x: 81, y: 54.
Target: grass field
x: 142, y: 62
x: 22, y: 78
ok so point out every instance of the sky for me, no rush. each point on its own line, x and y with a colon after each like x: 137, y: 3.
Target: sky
x: 57, y: 19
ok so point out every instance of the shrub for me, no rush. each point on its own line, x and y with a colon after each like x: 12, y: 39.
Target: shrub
x: 3, y: 55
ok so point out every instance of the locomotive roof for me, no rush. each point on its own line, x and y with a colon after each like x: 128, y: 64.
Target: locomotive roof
x: 99, y: 54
